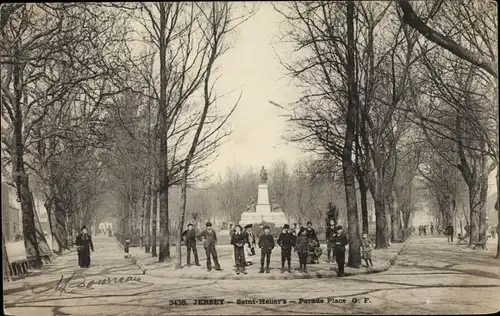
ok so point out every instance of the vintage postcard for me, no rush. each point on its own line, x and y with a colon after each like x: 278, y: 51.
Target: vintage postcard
x: 250, y: 158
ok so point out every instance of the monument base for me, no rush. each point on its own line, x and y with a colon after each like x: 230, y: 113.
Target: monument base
x: 277, y: 218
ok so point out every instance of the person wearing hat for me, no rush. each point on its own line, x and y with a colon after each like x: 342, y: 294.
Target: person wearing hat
x: 210, y: 239
x: 286, y: 241
x: 189, y: 237
x: 238, y: 240
x: 266, y: 245
x: 250, y: 245
x: 84, y: 245
x: 340, y: 243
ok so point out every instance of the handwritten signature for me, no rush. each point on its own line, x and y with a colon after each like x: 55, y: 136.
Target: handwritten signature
x: 64, y: 284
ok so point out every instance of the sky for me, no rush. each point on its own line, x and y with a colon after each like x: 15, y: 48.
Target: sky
x: 252, y: 67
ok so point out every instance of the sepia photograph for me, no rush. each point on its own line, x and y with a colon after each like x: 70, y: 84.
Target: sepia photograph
x: 250, y: 158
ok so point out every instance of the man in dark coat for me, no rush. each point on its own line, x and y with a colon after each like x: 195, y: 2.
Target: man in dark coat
x: 189, y: 237
x: 340, y: 243
x: 450, y: 232
x: 238, y: 240
x: 266, y: 245
x: 209, y: 240
x: 84, y: 245
x: 286, y: 241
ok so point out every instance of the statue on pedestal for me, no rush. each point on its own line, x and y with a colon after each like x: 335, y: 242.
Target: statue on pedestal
x: 263, y: 175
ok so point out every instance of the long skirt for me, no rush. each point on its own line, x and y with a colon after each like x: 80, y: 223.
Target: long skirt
x: 248, y: 253
x: 84, y: 257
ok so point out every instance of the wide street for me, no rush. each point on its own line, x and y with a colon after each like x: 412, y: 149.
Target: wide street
x: 430, y: 276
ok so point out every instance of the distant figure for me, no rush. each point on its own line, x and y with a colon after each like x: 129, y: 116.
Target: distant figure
x: 330, y: 241
x: 449, y: 233
x: 432, y: 229
x: 250, y: 245
x: 493, y: 232
x: 209, y: 240
x: 425, y: 230
x: 84, y: 245
x: 420, y: 230
x: 301, y: 245
x: 341, y: 242
x: 311, y: 233
x: 238, y: 240
x: 189, y: 237
x: 286, y: 241
x: 367, y: 246
x: 266, y: 245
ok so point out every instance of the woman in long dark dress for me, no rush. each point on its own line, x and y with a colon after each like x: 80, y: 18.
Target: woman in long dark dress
x: 84, y: 245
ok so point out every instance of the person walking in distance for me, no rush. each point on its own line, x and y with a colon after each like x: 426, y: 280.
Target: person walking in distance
x: 286, y: 241
x: 84, y: 245
x: 189, y: 237
x: 340, y: 243
x: 449, y: 233
x: 210, y: 240
x: 302, y: 244
x: 266, y: 245
x: 432, y: 229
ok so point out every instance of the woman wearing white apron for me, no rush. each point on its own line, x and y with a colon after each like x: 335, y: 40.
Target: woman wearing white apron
x: 249, y: 247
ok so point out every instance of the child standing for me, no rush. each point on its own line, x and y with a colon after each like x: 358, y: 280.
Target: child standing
x: 266, y: 245
x: 367, y: 246
x: 286, y: 241
x: 209, y: 240
x: 302, y: 245
x: 238, y: 240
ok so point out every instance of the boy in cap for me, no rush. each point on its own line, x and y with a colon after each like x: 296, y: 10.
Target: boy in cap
x: 266, y: 245
x: 189, y: 237
x: 210, y: 239
x: 286, y: 241
x: 238, y: 240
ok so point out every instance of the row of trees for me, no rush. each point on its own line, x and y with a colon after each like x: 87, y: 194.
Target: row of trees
x: 392, y: 95
x: 112, y: 101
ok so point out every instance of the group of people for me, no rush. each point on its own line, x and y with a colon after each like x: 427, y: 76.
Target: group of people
x: 299, y: 239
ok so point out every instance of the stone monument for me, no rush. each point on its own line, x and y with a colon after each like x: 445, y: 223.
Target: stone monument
x: 263, y: 207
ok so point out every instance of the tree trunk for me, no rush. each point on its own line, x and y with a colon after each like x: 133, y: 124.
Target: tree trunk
x: 164, y: 252
x: 154, y: 216
x: 363, y: 189
x: 498, y: 212
x: 147, y: 218
x: 5, y: 261
x: 178, y: 264
x: 354, y: 259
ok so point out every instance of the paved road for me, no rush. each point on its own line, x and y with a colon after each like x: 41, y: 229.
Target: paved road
x: 424, y: 280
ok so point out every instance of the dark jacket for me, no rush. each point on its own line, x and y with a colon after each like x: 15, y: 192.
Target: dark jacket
x: 266, y: 242
x: 311, y: 234
x: 286, y: 240
x: 84, y: 240
x: 449, y: 230
x: 302, y: 244
x: 189, y: 236
x: 239, y: 239
x: 210, y: 237
x: 341, y: 240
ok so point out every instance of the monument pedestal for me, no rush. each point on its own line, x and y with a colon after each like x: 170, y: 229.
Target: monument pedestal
x: 263, y: 211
